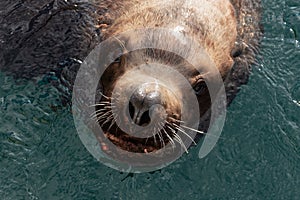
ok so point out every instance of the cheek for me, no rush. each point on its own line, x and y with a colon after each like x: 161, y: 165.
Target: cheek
x: 110, y: 76
x: 226, y: 67
x: 172, y: 105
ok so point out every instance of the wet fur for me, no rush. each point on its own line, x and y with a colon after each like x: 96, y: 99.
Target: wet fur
x: 35, y: 28
x: 232, y: 42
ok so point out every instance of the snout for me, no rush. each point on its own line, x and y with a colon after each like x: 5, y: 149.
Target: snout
x: 142, y: 103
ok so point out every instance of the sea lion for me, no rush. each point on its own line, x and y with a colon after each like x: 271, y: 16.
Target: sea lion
x: 229, y: 32
x: 216, y: 25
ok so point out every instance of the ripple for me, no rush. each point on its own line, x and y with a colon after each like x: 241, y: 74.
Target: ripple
x: 257, y: 157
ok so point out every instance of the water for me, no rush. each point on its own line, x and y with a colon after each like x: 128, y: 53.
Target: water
x: 258, y: 156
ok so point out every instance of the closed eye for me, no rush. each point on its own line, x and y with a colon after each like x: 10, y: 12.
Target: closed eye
x: 200, y: 87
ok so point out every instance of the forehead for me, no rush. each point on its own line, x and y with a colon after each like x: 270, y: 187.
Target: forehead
x: 166, y: 58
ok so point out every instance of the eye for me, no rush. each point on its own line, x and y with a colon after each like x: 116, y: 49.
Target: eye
x: 200, y: 87
x: 117, y: 60
x: 237, y: 50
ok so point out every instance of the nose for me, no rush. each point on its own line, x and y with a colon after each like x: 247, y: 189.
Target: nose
x: 140, y: 103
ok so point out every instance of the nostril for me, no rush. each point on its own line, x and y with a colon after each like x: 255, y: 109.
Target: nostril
x: 140, y: 102
x: 145, y: 119
x: 131, y: 110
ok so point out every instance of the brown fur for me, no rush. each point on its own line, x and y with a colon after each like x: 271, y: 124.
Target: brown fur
x: 228, y: 30
x: 212, y: 24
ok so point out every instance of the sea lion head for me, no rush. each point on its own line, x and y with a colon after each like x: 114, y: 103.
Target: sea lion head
x: 149, y: 89
x: 142, y: 87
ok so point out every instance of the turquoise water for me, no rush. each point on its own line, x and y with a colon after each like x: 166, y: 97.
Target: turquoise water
x: 257, y: 157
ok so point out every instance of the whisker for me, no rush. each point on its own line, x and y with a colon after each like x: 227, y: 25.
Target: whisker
x: 98, y: 111
x: 103, y: 103
x: 154, y: 135
x: 99, y: 114
x: 146, y: 140
x: 178, y: 139
x: 170, y: 138
x: 162, y: 142
x: 201, y: 132
x: 105, y: 96
x: 112, y: 123
x: 103, y: 116
x: 195, y: 130
x: 182, y: 131
x: 117, y: 127
x: 157, y: 130
x: 107, y: 120
x: 176, y: 120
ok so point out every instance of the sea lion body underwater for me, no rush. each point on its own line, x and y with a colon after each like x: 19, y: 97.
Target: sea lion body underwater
x: 228, y: 31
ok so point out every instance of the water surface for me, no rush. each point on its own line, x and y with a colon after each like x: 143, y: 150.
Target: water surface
x: 257, y: 157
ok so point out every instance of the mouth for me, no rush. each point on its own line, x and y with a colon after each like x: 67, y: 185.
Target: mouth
x: 137, y: 145
x: 162, y: 134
